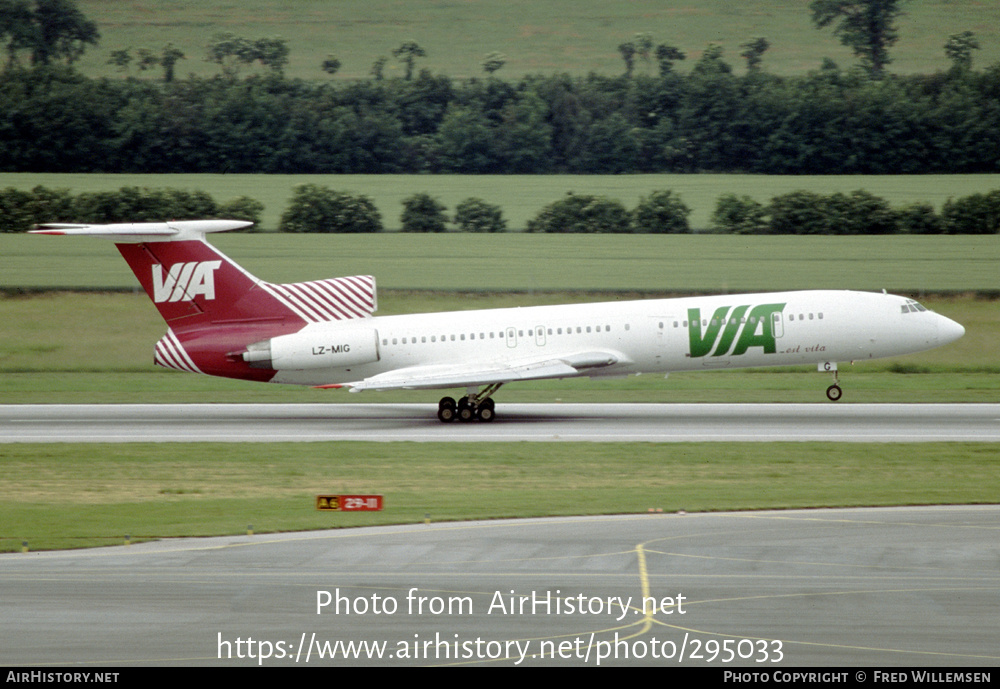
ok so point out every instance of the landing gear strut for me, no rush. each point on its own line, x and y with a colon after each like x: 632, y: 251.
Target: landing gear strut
x: 473, y: 407
x: 833, y: 393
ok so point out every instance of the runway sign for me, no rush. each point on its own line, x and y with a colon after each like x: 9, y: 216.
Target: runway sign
x: 349, y: 503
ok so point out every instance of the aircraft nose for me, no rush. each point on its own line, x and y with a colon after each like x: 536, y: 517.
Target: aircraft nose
x: 948, y: 330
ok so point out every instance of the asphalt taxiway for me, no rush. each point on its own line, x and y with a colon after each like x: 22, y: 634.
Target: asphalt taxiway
x: 764, y: 590
x: 514, y: 422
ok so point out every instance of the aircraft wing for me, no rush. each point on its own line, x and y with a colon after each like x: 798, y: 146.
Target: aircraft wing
x: 473, y: 374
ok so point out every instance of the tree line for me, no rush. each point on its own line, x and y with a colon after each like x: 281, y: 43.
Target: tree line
x: 859, y: 120
x: 830, y: 121
x: 315, y: 208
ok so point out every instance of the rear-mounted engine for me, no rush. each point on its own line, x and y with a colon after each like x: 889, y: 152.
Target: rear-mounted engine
x: 308, y: 349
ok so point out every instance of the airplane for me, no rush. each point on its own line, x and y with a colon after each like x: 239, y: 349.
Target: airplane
x: 223, y: 321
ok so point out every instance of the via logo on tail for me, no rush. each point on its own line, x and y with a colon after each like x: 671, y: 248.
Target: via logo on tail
x: 725, y: 324
x: 184, y: 281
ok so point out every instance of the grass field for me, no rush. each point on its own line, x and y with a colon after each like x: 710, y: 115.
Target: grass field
x: 97, y: 347
x: 63, y: 496
x: 522, y: 196
x: 576, y: 37
x: 64, y: 348
x: 525, y: 263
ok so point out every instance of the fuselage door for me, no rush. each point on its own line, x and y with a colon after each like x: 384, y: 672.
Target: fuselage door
x: 778, y: 323
x: 539, y: 336
x: 511, y: 337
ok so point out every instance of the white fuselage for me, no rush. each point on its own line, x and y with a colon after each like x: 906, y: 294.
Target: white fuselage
x: 648, y: 336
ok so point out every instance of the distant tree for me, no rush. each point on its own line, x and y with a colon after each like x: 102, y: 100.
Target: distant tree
x: 476, y: 215
x: 582, y: 213
x: 378, y: 68
x: 867, y: 27
x: 493, y: 62
x: 711, y: 61
x: 608, y: 146
x: 50, y: 205
x: 959, y: 49
x: 753, y: 53
x: 628, y: 50
x: 17, y: 28
x: 331, y: 65
x: 229, y: 51
x: 181, y: 203
x: 61, y: 32
x: 408, y: 53
x: 147, y: 59
x: 320, y: 209
x: 272, y: 53
x: 798, y: 212
x: 738, y: 215
x: 15, y: 215
x: 974, y: 214
x: 52, y: 30
x: 858, y: 213
x: 919, y: 218
x: 666, y: 55
x: 141, y: 204
x: 241, y: 208
x: 661, y: 212
x: 121, y: 59
x: 20, y: 210
x: 423, y: 213
x: 644, y: 46
x: 168, y: 59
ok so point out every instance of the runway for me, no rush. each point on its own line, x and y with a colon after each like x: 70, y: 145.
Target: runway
x: 764, y: 590
x: 515, y: 422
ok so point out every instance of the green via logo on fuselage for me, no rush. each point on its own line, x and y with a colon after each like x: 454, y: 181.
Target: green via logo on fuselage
x: 725, y: 324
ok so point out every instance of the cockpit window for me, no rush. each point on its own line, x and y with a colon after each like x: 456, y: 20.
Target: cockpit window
x: 912, y: 307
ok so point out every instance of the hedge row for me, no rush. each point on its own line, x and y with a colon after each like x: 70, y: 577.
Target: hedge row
x: 320, y: 209
x: 21, y: 210
x: 857, y: 213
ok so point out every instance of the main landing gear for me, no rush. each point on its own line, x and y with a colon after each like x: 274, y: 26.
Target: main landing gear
x: 474, y: 406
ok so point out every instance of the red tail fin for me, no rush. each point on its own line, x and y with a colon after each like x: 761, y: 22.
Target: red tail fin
x: 193, y: 285
x: 213, y: 307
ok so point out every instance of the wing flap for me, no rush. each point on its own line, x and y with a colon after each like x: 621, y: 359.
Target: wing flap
x: 469, y: 375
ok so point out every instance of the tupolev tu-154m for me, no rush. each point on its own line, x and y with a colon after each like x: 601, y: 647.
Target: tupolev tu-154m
x: 223, y: 321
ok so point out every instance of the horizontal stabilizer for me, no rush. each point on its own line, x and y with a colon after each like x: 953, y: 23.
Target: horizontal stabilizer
x: 177, y: 229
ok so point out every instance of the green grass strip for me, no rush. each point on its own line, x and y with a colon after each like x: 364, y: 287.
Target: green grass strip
x: 81, y: 495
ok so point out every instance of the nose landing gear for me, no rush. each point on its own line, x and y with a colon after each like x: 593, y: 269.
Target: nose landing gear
x: 833, y: 393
